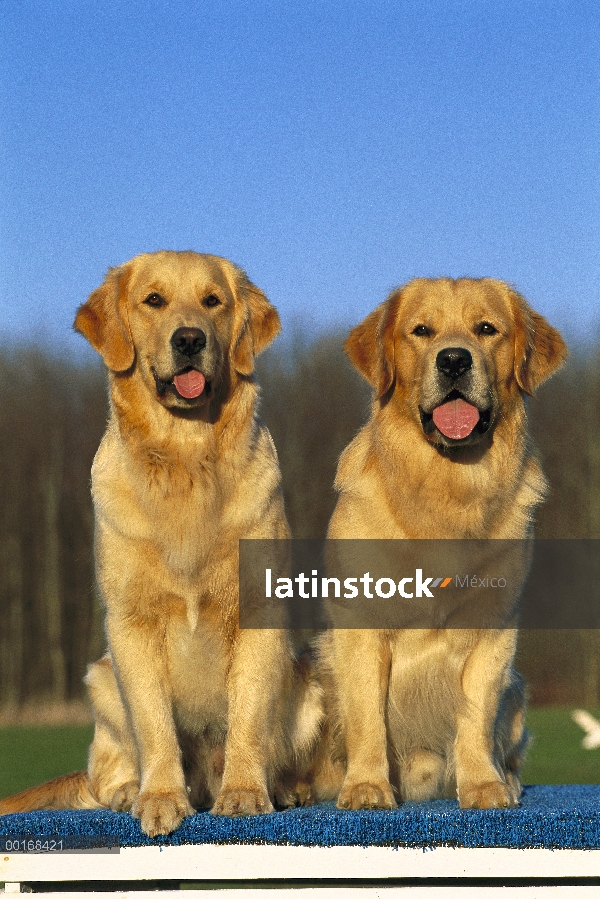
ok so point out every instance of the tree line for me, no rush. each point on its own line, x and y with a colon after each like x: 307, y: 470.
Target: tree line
x: 52, y: 416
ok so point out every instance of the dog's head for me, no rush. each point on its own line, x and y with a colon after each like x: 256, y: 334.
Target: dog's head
x: 183, y: 322
x: 454, y: 354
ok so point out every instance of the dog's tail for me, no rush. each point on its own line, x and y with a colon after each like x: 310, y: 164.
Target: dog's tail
x: 71, y: 791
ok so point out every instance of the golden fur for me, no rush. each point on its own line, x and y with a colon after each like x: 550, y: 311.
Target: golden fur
x: 189, y: 709
x: 422, y: 714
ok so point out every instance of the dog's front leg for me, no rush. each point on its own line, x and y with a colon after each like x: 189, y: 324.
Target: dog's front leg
x: 485, y: 676
x: 139, y: 656
x: 259, y: 677
x: 361, y: 664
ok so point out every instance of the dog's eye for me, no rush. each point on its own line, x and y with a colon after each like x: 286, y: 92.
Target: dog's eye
x: 421, y: 331
x: 212, y: 300
x: 486, y: 328
x: 155, y: 299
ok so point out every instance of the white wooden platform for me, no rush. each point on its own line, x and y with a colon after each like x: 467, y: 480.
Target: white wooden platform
x: 241, y: 863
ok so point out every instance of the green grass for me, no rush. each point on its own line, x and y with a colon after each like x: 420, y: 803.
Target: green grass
x: 31, y: 755
x: 556, y: 755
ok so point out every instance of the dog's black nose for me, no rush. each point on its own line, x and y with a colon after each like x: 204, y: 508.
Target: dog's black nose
x: 188, y: 341
x: 454, y: 361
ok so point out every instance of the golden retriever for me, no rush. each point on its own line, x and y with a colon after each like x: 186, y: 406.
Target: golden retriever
x: 190, y: 710
x: 437, y: 712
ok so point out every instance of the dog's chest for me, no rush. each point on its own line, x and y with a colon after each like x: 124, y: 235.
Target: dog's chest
x: 158, y: 501
x: 424, y: 688
x: 186, y: 512
x: 198, y: 665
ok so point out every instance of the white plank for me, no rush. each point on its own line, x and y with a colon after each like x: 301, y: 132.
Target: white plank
x: 551, y: 892
x: 235, y: 862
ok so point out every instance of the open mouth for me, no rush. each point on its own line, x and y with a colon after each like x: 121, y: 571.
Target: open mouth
x: 188, y: 384
x: 455, y: 418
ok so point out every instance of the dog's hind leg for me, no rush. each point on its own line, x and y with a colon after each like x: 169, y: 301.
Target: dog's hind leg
x: 512, y: 737
x: 113, y: 767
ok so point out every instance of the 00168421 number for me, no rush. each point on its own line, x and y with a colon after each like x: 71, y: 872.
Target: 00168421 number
x: 41, y: 844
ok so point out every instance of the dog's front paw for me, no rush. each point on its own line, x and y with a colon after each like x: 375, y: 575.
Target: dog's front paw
x: 243, y: 801
x: 161, y: 812
x: 366, y: 795
x: 489, y: 795
x: 125, y: 796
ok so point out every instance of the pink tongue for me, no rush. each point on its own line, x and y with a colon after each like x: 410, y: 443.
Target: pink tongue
x: 189, y: 385
x: 455, y: 419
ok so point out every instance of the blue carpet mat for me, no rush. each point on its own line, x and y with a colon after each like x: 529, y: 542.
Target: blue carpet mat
x: 549, y: 817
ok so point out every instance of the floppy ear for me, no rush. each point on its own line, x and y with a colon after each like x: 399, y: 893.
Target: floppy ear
x: 103, y: 321
x: 370, y: 346
x: 539, y: 348
x: 259, y: 327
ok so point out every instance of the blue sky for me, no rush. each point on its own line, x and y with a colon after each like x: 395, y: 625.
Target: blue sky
x: 333, y: 149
